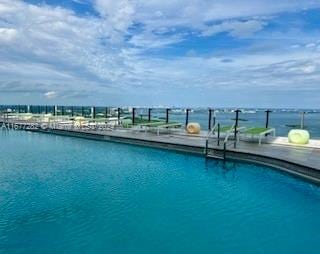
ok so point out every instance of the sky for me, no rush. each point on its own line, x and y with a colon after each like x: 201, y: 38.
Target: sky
x: 218, y: 53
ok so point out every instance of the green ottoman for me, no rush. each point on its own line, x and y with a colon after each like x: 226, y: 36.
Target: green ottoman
x: 300, y: 137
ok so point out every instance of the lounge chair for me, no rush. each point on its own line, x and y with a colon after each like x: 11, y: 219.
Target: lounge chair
x: 104, y: 123
x: 167, y: 126
x: 225, y: 130
x: 156, y: 126
x: 66, y: 124
x: 147, y: 126
x: 259, y: 132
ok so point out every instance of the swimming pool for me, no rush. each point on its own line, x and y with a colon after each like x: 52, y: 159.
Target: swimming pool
x: 69, y: 195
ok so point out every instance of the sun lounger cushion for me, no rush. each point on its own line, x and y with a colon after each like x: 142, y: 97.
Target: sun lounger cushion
x: 27, y: 116
x: 193, y: 128
x: 300, y: 137
x: 79, y: 118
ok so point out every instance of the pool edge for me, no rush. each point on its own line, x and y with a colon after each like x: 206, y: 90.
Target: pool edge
x: 298, y: 170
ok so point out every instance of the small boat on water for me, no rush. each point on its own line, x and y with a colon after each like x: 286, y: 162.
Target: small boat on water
x: 249, y: 112
x: 181, y: 111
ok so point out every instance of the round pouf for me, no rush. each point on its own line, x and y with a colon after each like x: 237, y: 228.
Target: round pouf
x: 78, y: 121
x: 193, y: 128
x: 300, y: 137
x: 27, y: 116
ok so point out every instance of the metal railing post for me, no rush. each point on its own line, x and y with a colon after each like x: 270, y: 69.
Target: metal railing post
x: 133, y: 115
x: 167, y: 115
x: 119, y: 109
x: 93, y: 112
x: 267, y: 117
x: 187, y: 116
x: 210, y: 117
x: 218, y: 134
x: 149, y: 114
x: 236, y: 127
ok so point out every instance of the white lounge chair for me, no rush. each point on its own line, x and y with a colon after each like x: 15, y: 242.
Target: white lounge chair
x: 259, y: 132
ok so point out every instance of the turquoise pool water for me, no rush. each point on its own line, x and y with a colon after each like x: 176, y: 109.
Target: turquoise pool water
x: 68, y: 195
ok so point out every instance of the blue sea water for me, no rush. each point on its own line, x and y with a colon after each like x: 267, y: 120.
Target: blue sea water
x: 68, y: 195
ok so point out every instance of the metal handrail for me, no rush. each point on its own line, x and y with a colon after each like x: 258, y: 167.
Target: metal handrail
x: 216, y: 127
x: 225, y: 142
x: 229, y: 133
x: 210, y: 132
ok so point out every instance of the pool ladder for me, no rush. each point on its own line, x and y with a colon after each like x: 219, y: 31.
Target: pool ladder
x: 218, y: 151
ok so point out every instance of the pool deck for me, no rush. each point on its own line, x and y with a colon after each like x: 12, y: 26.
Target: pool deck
x: 302, y: 161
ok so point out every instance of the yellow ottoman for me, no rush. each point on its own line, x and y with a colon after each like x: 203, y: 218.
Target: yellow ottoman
x: 300, y: 137
x: 79, y: 121
x: 27, y: 116
x: 193, y: 128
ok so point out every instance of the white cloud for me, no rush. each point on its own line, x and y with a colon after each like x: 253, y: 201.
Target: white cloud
x: 80, y: 1
x: 236, y: 28
x: 295, y: 46
x: 50, y: 94
x: 58, y: 38
x: 118, y: 14
x: 105, y: 55
x: 309, y: 69
x: 311, y: 45
x: 5, y: 7
x: 194, y: 13
x: 159, y: 15
x: 147, y: 40
x: 7, y: 34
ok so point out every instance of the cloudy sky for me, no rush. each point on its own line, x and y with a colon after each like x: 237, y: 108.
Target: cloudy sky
x: 263, y: 53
